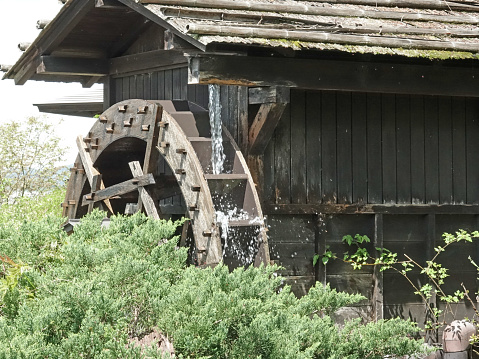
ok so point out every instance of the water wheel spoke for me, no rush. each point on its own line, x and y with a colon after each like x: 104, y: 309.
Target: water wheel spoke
x: 91, y: 171
x: 145, y: 196
x: 119, y: 189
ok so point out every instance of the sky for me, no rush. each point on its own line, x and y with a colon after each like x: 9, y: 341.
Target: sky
x: 18, y: 19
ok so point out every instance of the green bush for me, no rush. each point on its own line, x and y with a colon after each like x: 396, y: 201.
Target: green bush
x: 31, y: 209
x: 87, y: 295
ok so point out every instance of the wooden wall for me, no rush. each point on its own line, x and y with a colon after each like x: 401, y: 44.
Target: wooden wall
x: 332, y: 150
x: 169, y: 84
x: 342, y: 148
x: 172, y: 84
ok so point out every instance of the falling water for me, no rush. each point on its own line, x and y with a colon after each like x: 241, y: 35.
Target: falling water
x: 229, y: 213
x: 217, y: 154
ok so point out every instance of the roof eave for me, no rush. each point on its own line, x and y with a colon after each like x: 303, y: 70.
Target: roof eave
x: 66, y: 19
x: 53, y: 33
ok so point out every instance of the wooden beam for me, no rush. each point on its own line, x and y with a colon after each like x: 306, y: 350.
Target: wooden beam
x: 263, y: 126
x: 330, y: 37
x: 25, y: 72
x: 273, y: 101
x: 81, y: 109
x: 429, y: 78
x: 86, y: 159
x: 256, y: 168
x: 172, y: 41
x: 150, y: 159
x: 270, y: 208
x: 261, y: 95
x: 320, y: 248
x: 415, y: 4
x: 5, y: 68
x: 118, y: 189
x: 142, y: 10
x: 41, y: 24
x: 378, y: 280
x: 243, y: 120
x: 23, y: 46
x: 109, y: 4
x: 90, y: 81
x: 73, y: 13
x: 146, y: 199
x: 147, y: 61
x: 431, y: 335
x: 325, y: 26
x: 122, y: 44
x: 68, y: 17
x: 90, y: 171
x: 72, y: 66
x: 305, y: 9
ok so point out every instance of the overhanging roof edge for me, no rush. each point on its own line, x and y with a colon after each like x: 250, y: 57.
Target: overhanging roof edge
x: 44, y: 39
x: 25, y: 66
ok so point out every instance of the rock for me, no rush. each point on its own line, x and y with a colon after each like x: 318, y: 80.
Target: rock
x: 163, y: 343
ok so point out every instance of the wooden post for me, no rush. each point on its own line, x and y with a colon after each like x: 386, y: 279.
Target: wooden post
x: 431, y: 335
x: 320, y: 246
x: 256, y: 168
x: 378, y: 297
x: 273, y: 102
x: 243, y: 125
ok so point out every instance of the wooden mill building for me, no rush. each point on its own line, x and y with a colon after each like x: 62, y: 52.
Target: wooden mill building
x: 353, y: 116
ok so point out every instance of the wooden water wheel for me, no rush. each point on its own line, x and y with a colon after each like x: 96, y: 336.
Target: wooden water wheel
x: 155, y: 156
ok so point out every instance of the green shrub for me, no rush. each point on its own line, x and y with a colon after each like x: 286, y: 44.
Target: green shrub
x: 87, y: 295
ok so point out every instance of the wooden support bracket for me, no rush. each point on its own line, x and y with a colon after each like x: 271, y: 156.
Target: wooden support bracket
x: 273, y: 102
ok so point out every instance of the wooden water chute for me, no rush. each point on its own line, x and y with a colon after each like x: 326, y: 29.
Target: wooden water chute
x: 140, y: 154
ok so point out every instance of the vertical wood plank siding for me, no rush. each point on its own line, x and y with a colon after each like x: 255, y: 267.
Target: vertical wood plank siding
x: 173, y: 85
x: 160, y: 85
x: 342, y: 147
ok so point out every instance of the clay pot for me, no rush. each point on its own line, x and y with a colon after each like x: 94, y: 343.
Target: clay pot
x: 455, y: 337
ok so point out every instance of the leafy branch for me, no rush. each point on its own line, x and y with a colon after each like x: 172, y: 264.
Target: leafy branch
x: 434, y: 271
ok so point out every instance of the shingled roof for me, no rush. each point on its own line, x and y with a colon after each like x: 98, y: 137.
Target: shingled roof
x: 415, y: 28
x: 91, y: 39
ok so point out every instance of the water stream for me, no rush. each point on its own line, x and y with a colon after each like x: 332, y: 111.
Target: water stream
x: 217, y: 153
x: 230, y: 212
